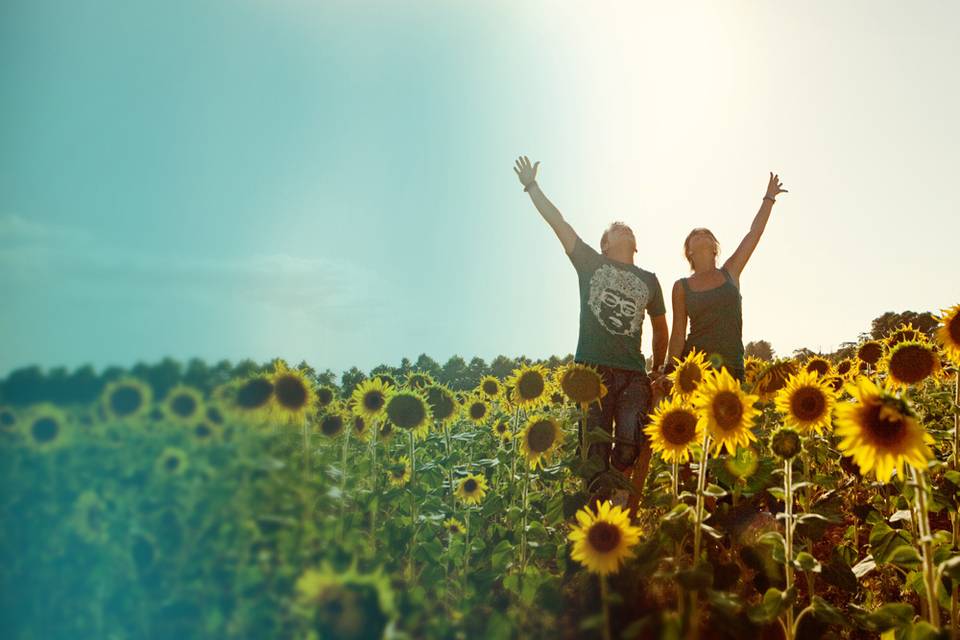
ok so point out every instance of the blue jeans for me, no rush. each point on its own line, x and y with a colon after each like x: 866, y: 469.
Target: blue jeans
x: 627, y: 402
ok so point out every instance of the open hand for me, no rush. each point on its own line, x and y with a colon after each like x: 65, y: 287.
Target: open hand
x: 524, y: 171
x: 774, y: 186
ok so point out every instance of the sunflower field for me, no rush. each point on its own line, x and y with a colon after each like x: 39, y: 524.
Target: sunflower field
x: 819, y: 499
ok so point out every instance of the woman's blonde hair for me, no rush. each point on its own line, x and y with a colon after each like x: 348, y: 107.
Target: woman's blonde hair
x: 686, y: 244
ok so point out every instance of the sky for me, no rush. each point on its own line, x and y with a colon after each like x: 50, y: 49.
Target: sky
x: 332, y: 181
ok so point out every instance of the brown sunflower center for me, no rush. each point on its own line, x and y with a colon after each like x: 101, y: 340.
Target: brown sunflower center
x: 490, y: 387
x: 843, y: 368
x: 324, y: 396
x: 184, y: 405
x: 888, y: 430
x: 679, y: 427
x: 374, y: 400
x: 870, y: 352
x: 541, y: 436
x: 359, y: 424
x: 172, y: 463
x: 398, y: 471
x: 530, y: 385
x: 581, y: 385
x: 808, y: 403
x: 478, y: 410
x: 202, y: 431
x: 406, y: 411
x: 291, y: 392
x: 331, y: 424
x: 911, y: 363
x: 125, y: 400
x: 953, y: 328
x: 727, y: 410
x: 502, y: 427
x: 818, y: 366
x: 45, y: 429
x: 604, y: 537
x: 689, y: 378
x: 470, y: 485
x: 440, y: 403
x: 214, y: 415
x: 254, y: 393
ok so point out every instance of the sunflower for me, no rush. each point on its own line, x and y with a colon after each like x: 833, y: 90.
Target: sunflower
x: 409, y: 411
x: 530, y: 387
x: 327, y: 394
x: 673, y: 427
x: 501, y: 429
x: 476, y: 409
x: 293, y: 394
x: 909, y: 362
x: 870, y: 352
x: 204, y: 432
x: 370, y: 398
x: 172, y: 461
x: 880, y: 431
x: 845, y: 368
x: 581, y: 383
x: 398, y: 472
x: 344, y: 603
x: 126, y: 398
x: 751, y: 367
x: 603, y: 539
x: 214, y: 414
x: 251, y: 397
x: 8, y: 420
x: 454, y: 526
x: 89, y: 518
x: 902, y: 333
x: 183, y: 405
x: 539, y: 439
x: 419, y: 380
x: 359, y: 428
x: 806, y: 402
x: 332, y: 421
x: 557, y: 398
x: 472, y: 488
x: 818, y: 365
x: 443, y: 403
x: 835, y: 382
x: 45, y: 427
x: 490, y: 387
x: 386, y: 379
x: 689, y: 373
x: 773, y: 377
x: 948, y: 333
x: 725, y: 411
x: 785, y: 443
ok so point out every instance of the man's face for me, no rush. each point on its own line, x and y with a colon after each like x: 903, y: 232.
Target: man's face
x: 621, y: 237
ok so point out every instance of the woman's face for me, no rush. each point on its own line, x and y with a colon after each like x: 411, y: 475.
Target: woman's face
x: 701, y: 243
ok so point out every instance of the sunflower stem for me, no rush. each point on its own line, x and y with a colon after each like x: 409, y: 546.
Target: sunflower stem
x: 788, y: 530
x: 956, y: 420
x: 604, y: 598
x: 466, y: 553
x: 930, y: 577
x: 376, y: 484
x: 343, y: 484
x: 513, y: 463
x: 675, y: 482
x: 523, y: 528
x: 701, y: 482
x: 413, y: 506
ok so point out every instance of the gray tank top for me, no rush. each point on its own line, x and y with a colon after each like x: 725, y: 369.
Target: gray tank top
x: 716, y: 324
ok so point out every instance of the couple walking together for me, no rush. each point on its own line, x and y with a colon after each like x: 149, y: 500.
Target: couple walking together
x: 616, y: 294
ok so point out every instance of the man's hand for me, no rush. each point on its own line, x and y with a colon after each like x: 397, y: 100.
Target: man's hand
x: 661, y: 382
x: 524, y: 171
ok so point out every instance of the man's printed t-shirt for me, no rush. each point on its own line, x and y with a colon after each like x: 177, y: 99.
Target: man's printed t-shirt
x: 613, y: 299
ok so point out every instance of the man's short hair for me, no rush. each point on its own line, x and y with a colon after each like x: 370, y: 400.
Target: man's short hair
x: 614, y: 225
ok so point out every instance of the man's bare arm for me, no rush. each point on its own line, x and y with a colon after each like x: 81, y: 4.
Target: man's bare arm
x: 660, y: 339
x: 527, y: 174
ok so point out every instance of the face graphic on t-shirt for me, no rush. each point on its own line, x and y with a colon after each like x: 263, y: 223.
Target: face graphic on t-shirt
x: 618, y: 298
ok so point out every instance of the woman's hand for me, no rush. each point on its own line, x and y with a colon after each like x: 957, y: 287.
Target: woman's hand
x: 773, y: 187
x: 524, y: 171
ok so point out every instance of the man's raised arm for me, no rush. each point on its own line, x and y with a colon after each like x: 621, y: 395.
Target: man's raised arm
x: 528, y: 178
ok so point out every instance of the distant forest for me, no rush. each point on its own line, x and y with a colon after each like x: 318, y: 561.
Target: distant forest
x: 58, y: 385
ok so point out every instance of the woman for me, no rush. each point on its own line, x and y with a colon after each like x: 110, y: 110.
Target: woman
x: 711, y: 299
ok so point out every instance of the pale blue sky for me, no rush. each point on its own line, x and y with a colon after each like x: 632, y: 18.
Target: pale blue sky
x: 332, y: 181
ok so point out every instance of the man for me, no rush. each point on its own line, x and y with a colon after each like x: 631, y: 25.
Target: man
x: 614, y: 296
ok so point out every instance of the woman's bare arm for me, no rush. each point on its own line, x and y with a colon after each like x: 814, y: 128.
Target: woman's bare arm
x: 736, y: 262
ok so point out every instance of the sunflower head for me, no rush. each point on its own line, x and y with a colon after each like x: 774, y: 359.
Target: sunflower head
x: 252, y: 396
x: 332, y: 421
x: 344, y: 603
x: 398, y: 471
x: 910, y: 362
x: 773, y: 377
x: 8, y: 420
x: 501, y: 429
x: 581, y: 383
x: 540, y: 439
x: 673, y: 428
x: 819, y: 366
x: 530, y: 386
x: 45, y: 427
x: 786, y: 443
x: 409, y: 411
x: 689, y: 373
x: 806, y: 402
x: 126, y: 399
x: 293, y: 393
x: 359, y: 427
x: 948, y: 332
x: 327, y: 394
x: 472, y: 488
x: 443, y: 403
x: 604, y: 538
x: 725, y: 411
x: 204, y: 432
x: 476, y: 409
x: 490, y: 387
x: 419, y: 380
x: 905, y: 331
x: 453, y: 526
x: 751, y: 367
x: 172, y: 462
x: 183, y: 405
x: 370, y: 398
x: 880, y: 431
x: 870, y: 352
